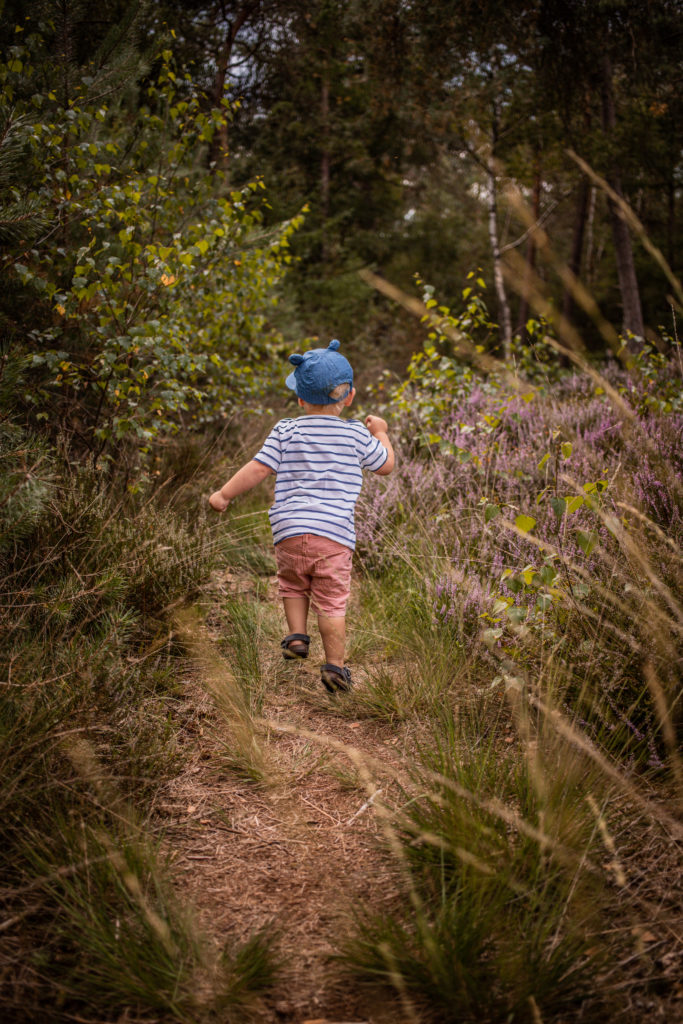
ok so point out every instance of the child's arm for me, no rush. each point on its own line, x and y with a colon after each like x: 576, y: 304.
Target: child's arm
x: 378, y: 428
x: 243, y: 480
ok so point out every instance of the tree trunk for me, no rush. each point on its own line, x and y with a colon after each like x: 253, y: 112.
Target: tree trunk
x: 590, y: 236
x: 523, y: 314
x: 218, y: 151
x: 499, y: 282
x: 325, y: 162
x: 577, y: 244
x: 626, y: 270
x: 671, y: 223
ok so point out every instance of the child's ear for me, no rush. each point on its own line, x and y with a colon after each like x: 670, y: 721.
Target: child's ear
x: 300, y: 402
x: 349, y: 398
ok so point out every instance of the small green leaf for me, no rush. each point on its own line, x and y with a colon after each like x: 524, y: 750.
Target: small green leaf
x: 525, y: 523
x: 548, y: 575
x: 490, y: 512
x: 566, y: 449
x: 544, y: 460
x: 489, y: 636
x: 586, y: 541
x: 559, y: 506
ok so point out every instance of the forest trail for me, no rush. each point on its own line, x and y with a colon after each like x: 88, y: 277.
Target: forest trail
x: 276, y: 820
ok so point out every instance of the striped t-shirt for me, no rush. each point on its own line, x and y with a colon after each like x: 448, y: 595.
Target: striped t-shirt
x: 318, y: 462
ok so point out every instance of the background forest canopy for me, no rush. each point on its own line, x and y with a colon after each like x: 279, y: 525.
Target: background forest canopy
x: 162, y: 165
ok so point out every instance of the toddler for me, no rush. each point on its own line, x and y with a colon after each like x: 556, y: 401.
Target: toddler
x: 318, y: 460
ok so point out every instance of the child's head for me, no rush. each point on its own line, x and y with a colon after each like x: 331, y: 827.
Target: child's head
x: 322, y: 378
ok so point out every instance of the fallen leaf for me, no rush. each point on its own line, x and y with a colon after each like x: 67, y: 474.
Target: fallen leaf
x: 353, y: 725
x: 192, y: 808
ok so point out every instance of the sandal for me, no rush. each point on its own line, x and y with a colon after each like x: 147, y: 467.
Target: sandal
x: 335, y: 678
x: 295, y: 646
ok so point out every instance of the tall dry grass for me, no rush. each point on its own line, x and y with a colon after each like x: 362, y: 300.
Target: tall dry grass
x: 90, y: 923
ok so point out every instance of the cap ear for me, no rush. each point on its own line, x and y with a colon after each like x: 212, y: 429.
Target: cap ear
x: 333, y: 345
x: 296, y: 359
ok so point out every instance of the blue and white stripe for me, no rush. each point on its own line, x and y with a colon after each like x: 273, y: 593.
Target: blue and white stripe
x: 318, y: 461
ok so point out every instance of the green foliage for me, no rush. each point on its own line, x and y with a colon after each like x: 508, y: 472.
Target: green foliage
x: 439, y: 379
x: 534, y: 358
x: 436, y: 378
x: 21, y: 217
x: 153, y: 297
x: 652, y: 386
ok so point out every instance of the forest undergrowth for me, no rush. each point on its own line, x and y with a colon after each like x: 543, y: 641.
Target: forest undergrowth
x: 516, y: 626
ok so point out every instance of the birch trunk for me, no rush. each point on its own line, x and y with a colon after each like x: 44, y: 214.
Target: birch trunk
x: 504, y: 317
x: 626, y: 270
x: 523, y: 314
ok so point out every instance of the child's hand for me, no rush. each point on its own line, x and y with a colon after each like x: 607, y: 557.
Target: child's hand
x: 218, y: 502
x: 376, y: 425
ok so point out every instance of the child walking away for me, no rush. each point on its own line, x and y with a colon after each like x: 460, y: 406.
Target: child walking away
x: 318, y: 460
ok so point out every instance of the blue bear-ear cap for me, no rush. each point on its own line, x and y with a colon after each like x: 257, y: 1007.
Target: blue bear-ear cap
x: 297, y: 359
x: 319, y: 371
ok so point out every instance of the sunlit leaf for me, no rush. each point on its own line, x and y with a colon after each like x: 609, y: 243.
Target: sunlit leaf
x: 525, y: 523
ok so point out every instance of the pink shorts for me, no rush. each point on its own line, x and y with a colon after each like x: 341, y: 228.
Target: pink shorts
x: 315, y: 567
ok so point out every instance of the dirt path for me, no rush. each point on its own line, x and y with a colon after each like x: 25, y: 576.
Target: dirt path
x: 299, y: 847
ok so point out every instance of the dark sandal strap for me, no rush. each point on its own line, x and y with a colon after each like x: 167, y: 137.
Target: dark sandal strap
x: 335, y: 678
x: 300, y: 637
x: 295, y: 646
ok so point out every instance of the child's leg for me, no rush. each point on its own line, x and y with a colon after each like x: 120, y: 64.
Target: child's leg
x: 294, y: 588
x: 296, y: 613
x: 333, y: 635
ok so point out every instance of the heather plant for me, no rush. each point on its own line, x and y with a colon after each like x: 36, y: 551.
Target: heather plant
x: 520, y: 507
x: 525, y: 609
